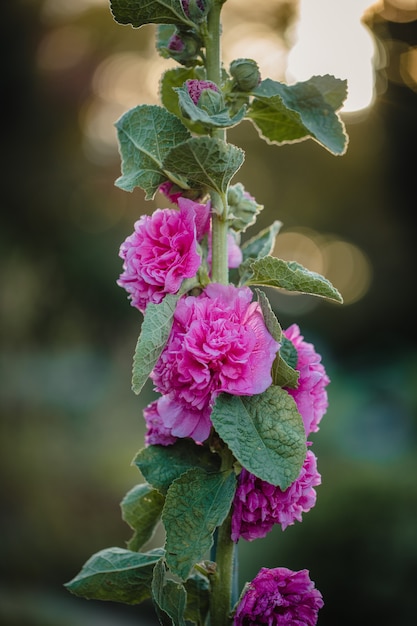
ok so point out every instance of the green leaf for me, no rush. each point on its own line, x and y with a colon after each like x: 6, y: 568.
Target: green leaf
x: 283, y: 373
x: 272, y: 272
x: 116, y: 574
x: 206, y: 161
x: 215, y: 118
x: 155, y: 330
x: 263, y: 243
x: 141, y: 509
x: 137, y: 12
x: 265, y: 432
x: 161, y: 465
x: 288, y: 113
x: 146, y: 135
x: 196, y: 503
x: 197, y: 588
x: 170, y: 597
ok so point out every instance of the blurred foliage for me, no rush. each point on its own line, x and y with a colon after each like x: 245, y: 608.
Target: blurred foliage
x: 70, y: 424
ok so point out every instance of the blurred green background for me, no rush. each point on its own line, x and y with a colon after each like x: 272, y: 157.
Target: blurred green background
x: 70, y: 424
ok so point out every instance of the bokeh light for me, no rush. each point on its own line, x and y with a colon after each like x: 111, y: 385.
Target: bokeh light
x: 344, y: 264
x: 331, y: 39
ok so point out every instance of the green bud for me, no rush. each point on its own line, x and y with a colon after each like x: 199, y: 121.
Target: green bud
x: 245, y: 73
x: 243, y: 208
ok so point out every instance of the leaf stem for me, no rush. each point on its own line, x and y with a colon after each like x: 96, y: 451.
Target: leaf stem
x: 219, y: 266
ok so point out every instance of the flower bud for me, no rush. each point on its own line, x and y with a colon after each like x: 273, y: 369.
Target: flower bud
x: 196, y: 87
x: 195, y: 9
x: 243, y: 207
x: 184, y: 46
x: 245, y: 73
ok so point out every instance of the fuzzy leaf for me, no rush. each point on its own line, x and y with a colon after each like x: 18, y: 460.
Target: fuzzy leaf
x: 197, y: 588
x: 137, y: 12
x: 141, y: 509
x: 116, y: 574
x: 146, y: 135
x: 170, y: 597
x: 289, y: 113
x: 265, y: 432
x: 196, y: 503
x: 272, y: 272
x: 156, y: 326
x: 262, y: 244
x: 206, y: 161
x: 161, y: 465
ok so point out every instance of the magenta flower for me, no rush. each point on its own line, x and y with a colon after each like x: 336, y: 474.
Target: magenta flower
x: 218, y: 343
x: 196, y: 87
x: 161, y: 253
x: 310, y: 396
x: 171, y: 191
x: 258, y: 505
x: 279, y: 597
x: 156, y: 432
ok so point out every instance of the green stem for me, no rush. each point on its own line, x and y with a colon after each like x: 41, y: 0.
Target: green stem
x: 222, y: 580
x: 219, y: 268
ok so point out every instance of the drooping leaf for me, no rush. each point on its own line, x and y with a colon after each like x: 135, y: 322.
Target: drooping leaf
x: 170, y: 597
x: 146, y: 135
x: 196, y: 503
x: 156, y: 326
x: 289, y: 113
x: 272, y: 272
x: 265, y: 433
x: 161, y: 465
x: 141, y: 509
x: 206, y: 161
x: 137, y: 12
x: 217, y: 117
x: 117, y: 575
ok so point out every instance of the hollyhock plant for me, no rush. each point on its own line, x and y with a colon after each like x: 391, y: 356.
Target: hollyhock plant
x: 279, y: 597
x: 226, y: 454
x: 310, y: 396
x: 218, y: 342
x: 161, y: 253
x: 258, y: 505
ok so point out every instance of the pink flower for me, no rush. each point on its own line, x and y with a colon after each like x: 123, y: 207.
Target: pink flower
x: 196, y: 87
x: 257, y: 505
x: 279, y: 597
x: 310, y: 396
x: 156, y: 433
x: 161, y: 253
x: 171, y: 191
x: 218, y: 343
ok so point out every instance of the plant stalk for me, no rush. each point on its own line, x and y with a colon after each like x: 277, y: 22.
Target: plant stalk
x: 219, y: 267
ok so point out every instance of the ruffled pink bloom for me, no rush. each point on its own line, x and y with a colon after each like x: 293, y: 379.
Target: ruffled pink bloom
x: 156, y: 432
x: 310, y: 395
x: 279, y: 597
x: 196, y: 87
x: 218, y: 343
x: 161, y: 253
x: 258, y: 505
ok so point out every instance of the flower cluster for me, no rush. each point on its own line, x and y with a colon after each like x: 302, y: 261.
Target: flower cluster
x: 218, y: 343
x: 279, y: 597
x: 257, y: 505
